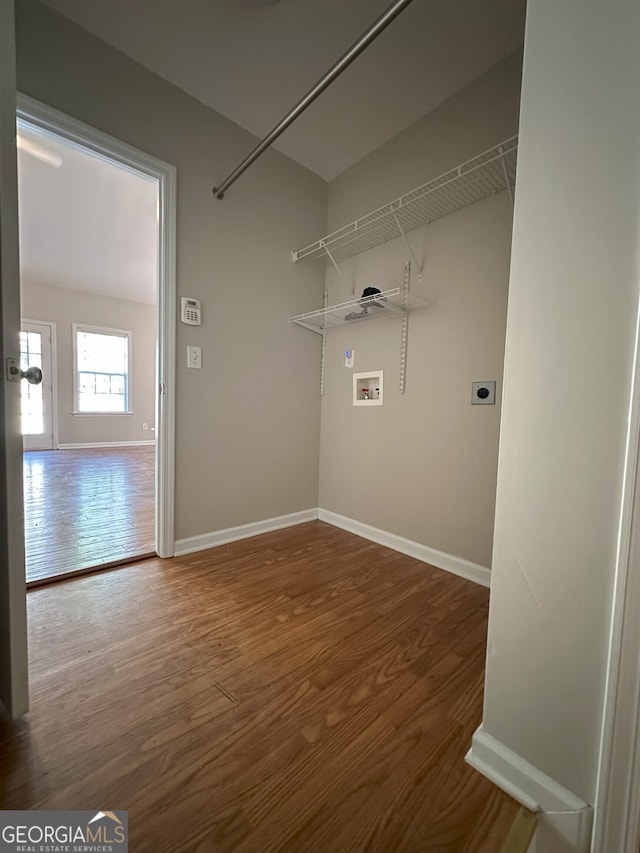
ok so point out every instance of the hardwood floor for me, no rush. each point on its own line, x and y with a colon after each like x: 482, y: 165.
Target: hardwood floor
x: 87, y: 508
x: 305, y: 690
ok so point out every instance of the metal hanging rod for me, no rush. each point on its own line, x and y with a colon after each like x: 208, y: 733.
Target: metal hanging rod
x: 354, y: 51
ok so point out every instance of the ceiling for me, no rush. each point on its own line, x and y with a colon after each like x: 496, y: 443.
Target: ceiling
x: 88, y: 224
x: 252, y: 61
x: 85, y: 223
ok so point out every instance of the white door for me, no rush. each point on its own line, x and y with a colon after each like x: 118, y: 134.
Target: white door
x: 14, y: 689
x: 36, y: 401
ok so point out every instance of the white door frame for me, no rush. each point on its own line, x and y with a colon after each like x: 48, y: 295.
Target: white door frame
x: 53, y: 377
x: 14, y: 677
x: 110, y: 148
x: 616, y: 816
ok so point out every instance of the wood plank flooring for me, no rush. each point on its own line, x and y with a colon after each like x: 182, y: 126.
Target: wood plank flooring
x: 87, y: 508
x: 301, y: 691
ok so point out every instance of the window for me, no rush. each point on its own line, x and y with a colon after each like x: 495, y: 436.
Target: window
x: 102, y: 363
x: 31, y: 395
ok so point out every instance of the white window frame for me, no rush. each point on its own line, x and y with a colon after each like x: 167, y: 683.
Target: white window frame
x: 101, y: 330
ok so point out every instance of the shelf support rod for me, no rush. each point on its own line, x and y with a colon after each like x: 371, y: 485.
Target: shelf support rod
x: 404, y: 340
x: 506, y: 176
x: 345, y: 60
x: 339, y: 271
x: 406, y: 240
x: 323, y: 354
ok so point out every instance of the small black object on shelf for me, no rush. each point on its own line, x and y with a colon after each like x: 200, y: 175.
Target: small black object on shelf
x: 366, y: 299
x: 367, y: 302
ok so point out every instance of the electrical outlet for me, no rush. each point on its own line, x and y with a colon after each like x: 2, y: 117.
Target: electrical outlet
x: 145, y: 426
x: 348, y: 357
x: 483, y: 393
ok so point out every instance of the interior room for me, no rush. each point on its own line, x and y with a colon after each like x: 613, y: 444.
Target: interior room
x: 393, y: 604
x: 88, y: 260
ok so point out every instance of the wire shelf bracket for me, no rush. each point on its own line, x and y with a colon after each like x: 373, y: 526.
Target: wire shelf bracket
x: 505, y: 173
x: 351, y: 289
x: 487, y: 174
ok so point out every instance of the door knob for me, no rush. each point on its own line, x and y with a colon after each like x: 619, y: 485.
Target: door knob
x: 33, y: 375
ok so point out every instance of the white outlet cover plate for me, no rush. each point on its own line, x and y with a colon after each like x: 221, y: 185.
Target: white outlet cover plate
x: 194, y: 357
x: 483, y: 393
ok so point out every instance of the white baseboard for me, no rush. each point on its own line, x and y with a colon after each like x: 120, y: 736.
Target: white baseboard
x: 243, y: 531
x: 448, y: 562
x: 88, y: 444
x: 564, y: 820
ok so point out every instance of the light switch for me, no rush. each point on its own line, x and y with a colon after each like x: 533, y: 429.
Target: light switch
x: 194, y: 357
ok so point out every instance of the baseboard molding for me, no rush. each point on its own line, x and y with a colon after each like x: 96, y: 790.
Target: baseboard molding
x: 448, y: 562
x: 439, y: 559
x: 243, y: 531
x: 564, y: 820
x: 89, y: 444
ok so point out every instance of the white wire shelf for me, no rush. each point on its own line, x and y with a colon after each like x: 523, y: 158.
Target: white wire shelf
x: 487, y: 174
x: 387, y: 303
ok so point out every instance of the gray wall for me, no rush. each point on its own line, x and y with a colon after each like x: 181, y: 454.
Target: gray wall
x: 423, y: 465
x: 247, y: 424
x: 573, y: 304
x: 63, y: 307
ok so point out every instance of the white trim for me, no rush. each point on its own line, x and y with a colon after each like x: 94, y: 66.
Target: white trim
x: 617, y: 810
x: 114, y: 150
x: 102, y: 414
x: 14, y: 674
x: 243, y: 531
x: 564, y: 820
x: 449, y: 562
x: 519, y: 778
x: 617, y: 819
x: 53, y: 337
x: 166, y: 364
x: 82, y: 444
x: 54, y: 382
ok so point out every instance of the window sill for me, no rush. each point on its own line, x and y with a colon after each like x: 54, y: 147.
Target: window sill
x: 101, y: 414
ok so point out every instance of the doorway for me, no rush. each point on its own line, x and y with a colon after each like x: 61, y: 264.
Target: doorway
x: 94, y: 378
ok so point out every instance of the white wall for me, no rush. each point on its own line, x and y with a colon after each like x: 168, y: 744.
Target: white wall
x: 423, y: 465
x: 64, y: 307
x: 247, y: 424
x: 572, y: 307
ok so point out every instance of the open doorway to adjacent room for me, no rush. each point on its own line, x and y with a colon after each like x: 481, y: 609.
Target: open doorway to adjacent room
x: 89, y: 239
